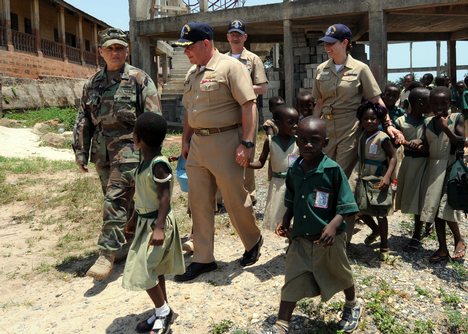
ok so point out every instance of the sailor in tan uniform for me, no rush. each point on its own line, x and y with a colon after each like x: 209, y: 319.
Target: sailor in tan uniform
x: 237, y: 36
x: 219, y: 129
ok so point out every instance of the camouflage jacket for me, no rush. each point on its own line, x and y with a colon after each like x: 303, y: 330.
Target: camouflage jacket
x: 107, y: 114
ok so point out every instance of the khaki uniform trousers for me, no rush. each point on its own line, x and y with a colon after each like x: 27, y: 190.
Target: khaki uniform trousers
x: 342, y: 132
x: 342, y: 145
x: 210, y: 165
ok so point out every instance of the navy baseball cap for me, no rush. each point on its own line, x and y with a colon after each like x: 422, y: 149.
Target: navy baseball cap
x: 194, y: 32
x: 236, y: 26
x: 335, y: 33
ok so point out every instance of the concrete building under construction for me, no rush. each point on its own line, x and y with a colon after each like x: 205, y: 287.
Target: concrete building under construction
x: 296, y: 25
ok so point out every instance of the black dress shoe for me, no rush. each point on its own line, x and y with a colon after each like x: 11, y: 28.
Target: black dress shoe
x: 251, y: 256
x: 194, y: 270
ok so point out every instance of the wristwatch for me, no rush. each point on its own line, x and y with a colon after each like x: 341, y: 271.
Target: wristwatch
x: 247, y: 143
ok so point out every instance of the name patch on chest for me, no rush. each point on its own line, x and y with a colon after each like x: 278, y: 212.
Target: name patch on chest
x: 321, y: 199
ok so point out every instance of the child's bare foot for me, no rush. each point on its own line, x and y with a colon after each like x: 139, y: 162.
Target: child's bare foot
x: 459, y: 253
x: 439, y: 256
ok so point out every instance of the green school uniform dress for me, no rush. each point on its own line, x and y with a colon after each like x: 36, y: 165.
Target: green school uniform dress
x: 373, y: 161
x: 145, y: 263
x: 412, y: 168
x: 281, y: 158
x: 434, y: 185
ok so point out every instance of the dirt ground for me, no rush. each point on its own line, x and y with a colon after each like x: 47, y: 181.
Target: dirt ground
x: 69, y: 302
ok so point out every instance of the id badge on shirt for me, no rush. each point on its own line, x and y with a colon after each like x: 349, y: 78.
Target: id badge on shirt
x: 291, y: 159
x: 373, y: 148
x: 321, y: 199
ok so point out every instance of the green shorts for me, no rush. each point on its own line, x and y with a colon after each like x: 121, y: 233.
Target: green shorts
x: 313, y: 270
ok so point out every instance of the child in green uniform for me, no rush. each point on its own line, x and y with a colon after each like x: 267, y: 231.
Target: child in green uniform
x: 377, y: 157
x: 442, y: 133
x: 156, y: 248
x: 318, y: 197
x: 407, y: 198
x: 282, y: 151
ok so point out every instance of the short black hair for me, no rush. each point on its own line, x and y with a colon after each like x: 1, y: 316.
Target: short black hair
x: 415, y: 84
x: 441, y: 90
x: 466, y: 81
x: 441, y: 80
x: 429, y: 76
x: 151, y: 128
x: 380, y: 111
x: 281, y: 110
x: 391, y: 85
x: 415, y: 94
x: 275, y: 101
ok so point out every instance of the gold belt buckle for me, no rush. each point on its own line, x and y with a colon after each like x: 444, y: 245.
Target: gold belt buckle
x: 204, y: 132
x: 328, y: 116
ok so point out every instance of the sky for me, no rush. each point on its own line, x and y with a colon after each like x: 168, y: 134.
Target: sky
x: 115, y: 13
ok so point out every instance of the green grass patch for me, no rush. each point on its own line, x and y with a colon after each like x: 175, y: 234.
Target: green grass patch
x: 383, y: 317
x: 33, y: 165
x: 65, y: 116
x: 221, y: 327
x: 422, y: 291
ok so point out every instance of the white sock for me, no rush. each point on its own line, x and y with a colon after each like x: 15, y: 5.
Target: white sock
x: 163, y: 310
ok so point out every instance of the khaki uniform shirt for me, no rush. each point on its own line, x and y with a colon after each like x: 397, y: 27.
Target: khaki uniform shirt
x: 341, y: 92
x: 213, y: 95
x: 254, y: 65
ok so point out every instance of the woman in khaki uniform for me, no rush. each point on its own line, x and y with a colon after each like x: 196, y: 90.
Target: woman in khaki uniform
x: 340, y: 85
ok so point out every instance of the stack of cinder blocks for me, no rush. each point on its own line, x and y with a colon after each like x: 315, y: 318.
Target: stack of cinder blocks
x: 308, y: 54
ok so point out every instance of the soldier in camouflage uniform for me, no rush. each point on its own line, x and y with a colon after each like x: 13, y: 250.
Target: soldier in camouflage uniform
x: 112, y: 100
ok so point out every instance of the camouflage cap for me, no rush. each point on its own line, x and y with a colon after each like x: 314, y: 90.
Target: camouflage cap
x: 112, y: 36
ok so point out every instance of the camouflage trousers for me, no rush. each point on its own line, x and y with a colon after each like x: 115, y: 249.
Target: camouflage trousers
x: 118, y: 207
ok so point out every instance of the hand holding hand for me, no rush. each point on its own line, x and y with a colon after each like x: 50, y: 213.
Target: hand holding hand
x: 243, y: 155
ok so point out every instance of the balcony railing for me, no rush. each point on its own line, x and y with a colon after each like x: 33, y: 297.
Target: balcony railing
x: 51, y: 49
x: 23, y: 42
x: 89, y: 57
x: 73, y: 54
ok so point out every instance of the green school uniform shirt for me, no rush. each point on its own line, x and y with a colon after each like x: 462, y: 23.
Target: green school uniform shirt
x: 317, y: 196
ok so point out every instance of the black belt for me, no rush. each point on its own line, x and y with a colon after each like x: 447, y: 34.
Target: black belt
x: 415, y: 154
x: 210, y: 131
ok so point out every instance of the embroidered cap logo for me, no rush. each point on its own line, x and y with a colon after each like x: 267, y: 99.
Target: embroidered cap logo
x: 236, y: 24
x: 185, y: 30
x: 330, y: 31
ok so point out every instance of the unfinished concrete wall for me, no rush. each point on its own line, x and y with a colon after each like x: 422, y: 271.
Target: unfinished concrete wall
x: 33, y: 94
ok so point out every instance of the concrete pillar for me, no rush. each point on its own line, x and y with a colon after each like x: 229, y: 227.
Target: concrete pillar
x: 203, y: 5
x: 143, y: 53
x: 61, y: 30
x: 6, y: 18
x: 164, y: 66
x: 35, y: 22
x: 378, y: 42
x: 80, y: 40
x: 452, y: 61
x: 288, y: 62
x: 438, y: 58
x: 276, y: 55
